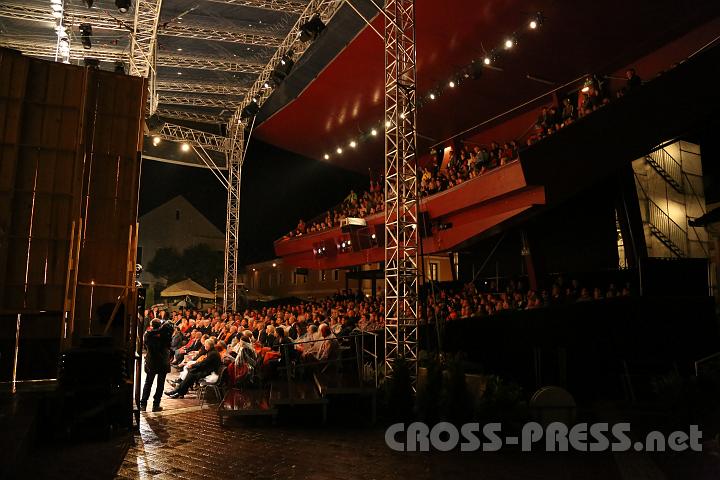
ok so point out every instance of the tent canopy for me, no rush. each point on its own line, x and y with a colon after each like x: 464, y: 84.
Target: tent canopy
x: 185, y: 288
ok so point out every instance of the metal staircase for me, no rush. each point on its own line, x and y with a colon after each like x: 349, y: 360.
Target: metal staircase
x: 666, y: 230
x: 667, y: 167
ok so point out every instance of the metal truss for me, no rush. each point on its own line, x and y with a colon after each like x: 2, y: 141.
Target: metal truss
x: 204, y: 63
x: 208, y: 141
x: 101, y: 19
x: 235, y: 158
x: 200, y: 87
x: 236, y: 154
x: 274, y: 5
x: 192, y: 116
x: 198, y: 101
x: 116, y: 54
x: 325, y: 9
x: 144, y: 37
x: 401, y: 192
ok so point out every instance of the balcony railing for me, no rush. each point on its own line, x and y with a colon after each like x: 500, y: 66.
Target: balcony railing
x: 666, y: 230
x: 667, y: 167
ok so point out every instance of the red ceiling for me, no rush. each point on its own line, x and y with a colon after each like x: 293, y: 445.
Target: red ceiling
x: 578, y: 37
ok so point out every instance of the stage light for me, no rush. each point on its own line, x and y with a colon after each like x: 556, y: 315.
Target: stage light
x: 487, y: 60
x: 85, y: 34
x: 326, y: 156
x: 387, y: 124
x: 185, y: 147
x: 373, y: 236
x: 119, y: 67
x: 451, y: 84
x: 402, y: 116
x: 533, y: 24
x: 274, y: 264
x: 339, y: 151
x: 91, y: 62
x: 179, y: 49
x: 156, y: 141
x: 353, y: 144
x: 122, y: 5
x: 266, y: 85
x: 509, y: 43
x: 311, y: 29
x: 432, y: 96
x: 179, y: 73
x: 89, y: 3
x: 373, y: 132
x: 587, y: 85
x: 250, y: 110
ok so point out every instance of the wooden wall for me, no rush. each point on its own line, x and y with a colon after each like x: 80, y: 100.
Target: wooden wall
x: 69, y: 141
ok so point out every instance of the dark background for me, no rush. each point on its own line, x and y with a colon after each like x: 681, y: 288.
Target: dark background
x: 278, y: 188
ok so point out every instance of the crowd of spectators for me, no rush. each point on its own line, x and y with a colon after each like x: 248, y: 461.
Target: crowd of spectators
x: 594, y: 94
x: 470, y: 161
x: 472, y: 302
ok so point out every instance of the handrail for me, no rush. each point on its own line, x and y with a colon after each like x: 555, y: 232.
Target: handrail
x: 667, y: 163
x: 667, y: 226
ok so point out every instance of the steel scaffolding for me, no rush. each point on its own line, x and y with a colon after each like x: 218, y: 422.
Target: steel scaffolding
x: 208, y: 141
x: 236, y: 126
x: 235, y: 158
x: 401, y: 192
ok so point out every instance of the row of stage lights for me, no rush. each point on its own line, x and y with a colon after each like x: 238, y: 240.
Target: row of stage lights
x: 184, y: 146
x: 469, y: 72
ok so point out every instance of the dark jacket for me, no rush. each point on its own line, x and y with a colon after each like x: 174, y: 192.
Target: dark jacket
x: 209, y: 365
x: 157, y: 343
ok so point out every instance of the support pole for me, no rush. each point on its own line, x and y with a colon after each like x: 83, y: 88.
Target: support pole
x: 401, y: 193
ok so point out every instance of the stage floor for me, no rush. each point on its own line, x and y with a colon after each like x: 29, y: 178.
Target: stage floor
x: 193, y: 445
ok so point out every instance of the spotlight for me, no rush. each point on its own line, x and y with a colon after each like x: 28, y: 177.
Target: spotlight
x: 326, y: 156
x: 119, y: 67
x: 432, y: 96
x: 185, y: 147
x: 533, y: 24
x: 156, y: 141
x: 387, y: 124
x: 89, y: 3
x: 274, y: 264
x: 250, y: 110
x: 85, y: 34
x: 373, y: 236
x: 339, y: 151
x: 353, y: 144
x: 402, y: 116
x: 475, y: 70
x: 487, y: 60
x: 536, y: 21
x: 282, y: 70
x: 451, y: 84
x: 509, y: 43
x: 373, y: 132
x: 266, y: 85
x: 311, y: 29
x: 92, y: 63
x: 122, y: 5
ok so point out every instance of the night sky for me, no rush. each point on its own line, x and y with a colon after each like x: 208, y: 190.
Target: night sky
x: 278, y: 188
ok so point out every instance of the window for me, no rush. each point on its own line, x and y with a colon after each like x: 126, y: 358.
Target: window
x: 336, y: 275
x: 323, y: 275
x: 177, y: 214
x: 434, y: 267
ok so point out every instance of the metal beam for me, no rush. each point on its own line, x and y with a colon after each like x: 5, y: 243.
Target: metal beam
x: 198, y: 101
x: 144, y: 38
x: 209, y: 141
x: 401, y: 192
x: 200, y: 87
x: 102, y: 19
x: 116, y: 54
x: 236, y: 152
x: 192, y: 116
x: 288, y: 6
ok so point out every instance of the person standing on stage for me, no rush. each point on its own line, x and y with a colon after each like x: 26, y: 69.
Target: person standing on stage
x: 157, y: 361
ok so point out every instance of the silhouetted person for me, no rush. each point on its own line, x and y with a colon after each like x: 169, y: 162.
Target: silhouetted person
x: 157, y: 361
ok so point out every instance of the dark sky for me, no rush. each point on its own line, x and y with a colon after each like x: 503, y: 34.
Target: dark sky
x: 278, y: 188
